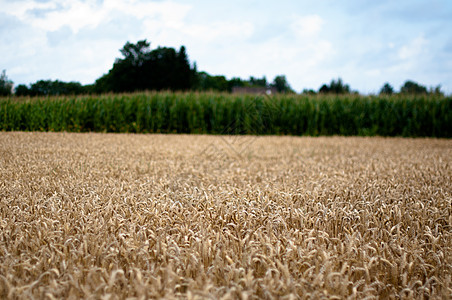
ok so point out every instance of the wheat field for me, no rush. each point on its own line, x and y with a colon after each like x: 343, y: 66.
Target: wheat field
x: 116, y: 216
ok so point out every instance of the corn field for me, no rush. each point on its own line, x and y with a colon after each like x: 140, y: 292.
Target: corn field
x: 215, y: 113
x: 115, y: 216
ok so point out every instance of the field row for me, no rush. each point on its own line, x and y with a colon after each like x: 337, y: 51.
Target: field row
x: 224, y: 217
x: 213, y: 113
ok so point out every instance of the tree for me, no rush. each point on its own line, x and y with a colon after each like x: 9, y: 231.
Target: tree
x: 135, y: 54
x: 335, y: 87
x: 436, y: 91
x: 51, y: 88
x: 258, y: 82
x: 338, y: 87
x: 41, y: 88
x: 184, y: 75
x: 411, y: 87
x: 308, y: 92
x: 324, y: 89
x: 6, y: 85
x: 386, y: 89
x: 281, y: 84
x: 236, y: 82
x: 207, y: 82
x: 143, y: 69
x: 22, y: 90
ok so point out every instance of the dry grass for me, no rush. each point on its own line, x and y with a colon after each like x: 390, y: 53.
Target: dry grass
x: 174, y: 216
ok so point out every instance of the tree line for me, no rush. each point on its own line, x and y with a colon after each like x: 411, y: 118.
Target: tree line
x: 165, y: 68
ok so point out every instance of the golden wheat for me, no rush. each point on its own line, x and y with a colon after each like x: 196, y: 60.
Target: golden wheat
x: 176, y: 216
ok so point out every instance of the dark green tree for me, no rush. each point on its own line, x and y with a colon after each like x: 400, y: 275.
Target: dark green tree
x: 41, y: 88
x: 436, y: 91
x: 308, y: 92
x: 51, y: 88
x: 338, y: 87
x: 236, y: 82
x: 184, y: 74
x: 161, y: 70
x: 281, y: 84
x: 411, y: 87
x: 6, y: 85
x: 143, y: 69
x: 324, y: 89
x: 258, y: 82
x: 386, y: 89
x: 135, y: 54
x: 22, y: 90
x: 207, y: 82
x: 335, y: 87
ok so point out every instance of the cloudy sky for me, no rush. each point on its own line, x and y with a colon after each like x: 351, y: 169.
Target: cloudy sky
x: 365, y: 42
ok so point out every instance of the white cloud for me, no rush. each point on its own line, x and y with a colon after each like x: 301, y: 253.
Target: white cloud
x: 20, y: 8
x: 414, y: 49
x: 52, y: 15
x: 307, y: 26
x: 220, y: 31
x: 78, y: 14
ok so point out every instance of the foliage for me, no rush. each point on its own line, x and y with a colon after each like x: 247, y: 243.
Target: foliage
x: 135, y: 54
x: 206, y: 82
x: 237, y: 82
x: 144, y: 69
x: 214, y: 113
x: 387, y: 89
x: 308, y: 92
x: 258, y: 82
x: 335, y: 87
x: 22, y: 90
x: 51, y: 88
x: 436, y: 91
x: 411, y: 87
x: 6, y: 85
x: 281, y: 84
